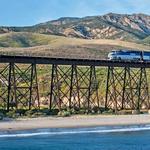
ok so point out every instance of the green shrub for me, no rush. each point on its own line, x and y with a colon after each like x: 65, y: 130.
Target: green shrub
x: 3, y: 111
x: 46, y: 111
x: 1, y: 116
x: 54, y: 112
x: 64, y: 113
x: 12, y: 114
x: 38, y: 114
x: 82, y: 111
x: 74, y: 111
x: 35, y: 113
x: 110, y: 111
x: 102, y: 109
x: 99, y: 112
x: 21, y: 112
x: 29, y: 113
x: 92, y: 112
x: 95, y: 109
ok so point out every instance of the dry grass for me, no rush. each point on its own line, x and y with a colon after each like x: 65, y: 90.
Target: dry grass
x: 58, y: 46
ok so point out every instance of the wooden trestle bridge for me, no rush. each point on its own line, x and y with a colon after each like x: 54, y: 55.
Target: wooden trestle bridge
x: 73, y: 86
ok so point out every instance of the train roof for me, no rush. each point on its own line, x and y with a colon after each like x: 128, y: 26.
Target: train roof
x: 126, y: 50
x: 130, y: 51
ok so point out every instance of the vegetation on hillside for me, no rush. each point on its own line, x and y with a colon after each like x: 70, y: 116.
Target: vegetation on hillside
x: 133, y: 27
x: 146, y: 41
x: 24, y: 39
x: 24, y: 43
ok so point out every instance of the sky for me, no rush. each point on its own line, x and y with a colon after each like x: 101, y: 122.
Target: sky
x: 31, y: 12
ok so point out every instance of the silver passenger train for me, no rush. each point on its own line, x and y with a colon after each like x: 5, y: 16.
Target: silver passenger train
x: 129, y: 55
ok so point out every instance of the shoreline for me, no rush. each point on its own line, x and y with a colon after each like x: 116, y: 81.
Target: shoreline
x: 76, y: 121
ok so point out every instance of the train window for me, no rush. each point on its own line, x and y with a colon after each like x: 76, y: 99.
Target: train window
x: 147, y: 53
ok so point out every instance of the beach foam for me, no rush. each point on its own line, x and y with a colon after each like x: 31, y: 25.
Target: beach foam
x: 78, y: 131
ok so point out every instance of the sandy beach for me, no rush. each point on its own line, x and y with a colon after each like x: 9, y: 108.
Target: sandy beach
x: 74, y: 121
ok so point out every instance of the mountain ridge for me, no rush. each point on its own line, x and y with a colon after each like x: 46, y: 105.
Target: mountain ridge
x: 128, y: 27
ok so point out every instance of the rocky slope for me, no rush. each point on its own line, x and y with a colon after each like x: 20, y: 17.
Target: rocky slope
x: 135, y: 27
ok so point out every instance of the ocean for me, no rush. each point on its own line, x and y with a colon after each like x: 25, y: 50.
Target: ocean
x: 93, y: 138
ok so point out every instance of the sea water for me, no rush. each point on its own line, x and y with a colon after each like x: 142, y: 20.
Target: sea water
x: 94, y: 138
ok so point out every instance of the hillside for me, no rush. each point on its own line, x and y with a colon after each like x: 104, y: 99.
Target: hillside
x: 25, y: 39
x: 58, y: 46
x: 88, y: 37
x: 146, y: 41
x: 135, y: 27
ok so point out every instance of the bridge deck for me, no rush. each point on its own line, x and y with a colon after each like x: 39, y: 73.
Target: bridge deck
x: 67, y: 61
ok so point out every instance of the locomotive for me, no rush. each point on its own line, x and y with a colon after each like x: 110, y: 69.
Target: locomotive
x: 129, y: 55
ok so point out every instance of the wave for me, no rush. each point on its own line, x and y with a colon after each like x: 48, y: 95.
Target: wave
x: 81, y: 131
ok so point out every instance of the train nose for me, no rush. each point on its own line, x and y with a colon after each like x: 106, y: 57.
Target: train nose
x: 110, y: 56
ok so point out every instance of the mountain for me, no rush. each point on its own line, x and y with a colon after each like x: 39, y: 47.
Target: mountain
x: 135, y: 27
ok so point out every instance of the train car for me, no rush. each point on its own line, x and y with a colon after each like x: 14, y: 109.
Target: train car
x: 146, y: 56
x: 129, y: 55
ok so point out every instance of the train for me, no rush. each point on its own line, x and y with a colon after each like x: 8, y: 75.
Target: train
x: 132, y: 55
